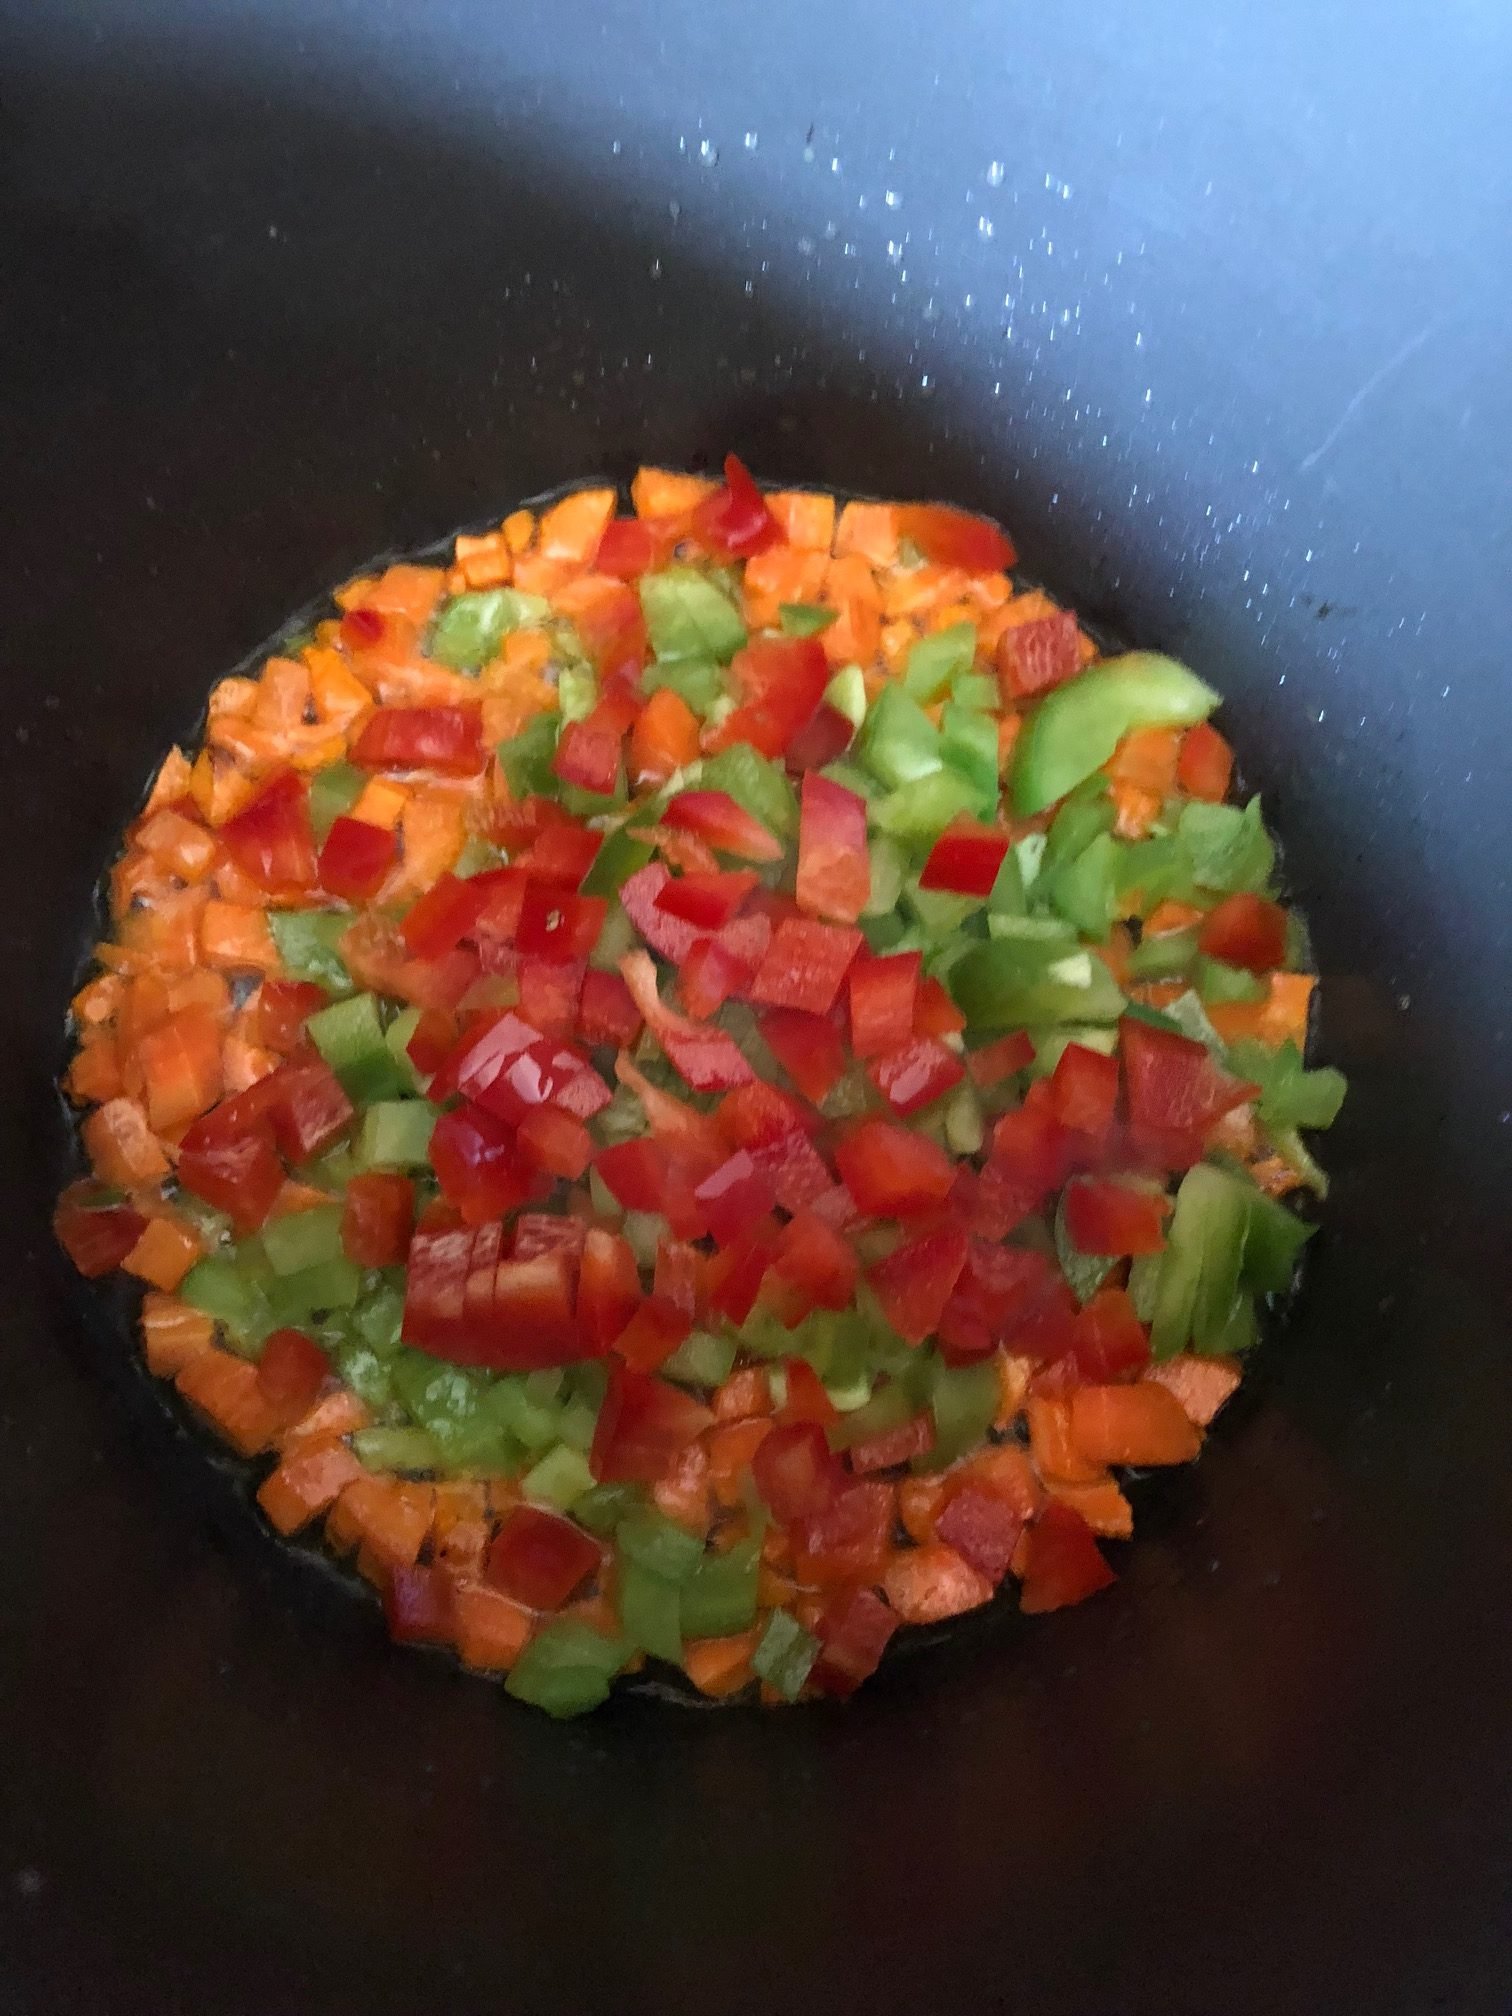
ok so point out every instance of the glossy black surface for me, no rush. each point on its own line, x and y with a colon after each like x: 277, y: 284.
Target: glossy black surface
x: 285, y: 286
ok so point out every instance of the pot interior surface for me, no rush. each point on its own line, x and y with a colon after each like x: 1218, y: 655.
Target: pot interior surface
x: 1211, y: 312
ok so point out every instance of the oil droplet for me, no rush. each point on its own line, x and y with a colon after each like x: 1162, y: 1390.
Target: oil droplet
x: 617, y: 147
x: 656, y: 269
x: 995, y: 173
x: 752, y: 141
x: 891, y: 198
x: 985, y: 227
x: 708, y: 154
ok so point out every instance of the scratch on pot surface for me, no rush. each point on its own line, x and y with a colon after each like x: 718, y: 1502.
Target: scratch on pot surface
x: 1372, y: 384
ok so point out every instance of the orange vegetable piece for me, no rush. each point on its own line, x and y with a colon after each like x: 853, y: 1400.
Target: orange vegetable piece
x: 390, y: 1518
x: 572, y: 529
x: 850, y: 588
x: 172, y: 780
x: 1103, y: 1506
x: 870, y: 530
x: 181, y: 845
x: 492, y: 1630
x: 121, y: 1146
x: 1006, y: 1471
x: 172, y: 1334
x: 665, y: 493
x: 921, y: 1500
x: 1146, y: 760
x: 1050, y: 1443
x: 339, y: 695
x: 236, y: 938
x: 164, y: 1254
x: 732, y: 1444
x: 1131, y: 1424
x: 180, y: 1063
x: 95, y: 1074
x: 308, y: 1480
x: 781, y: 574
x: 926, y: 1584
x: 1171, y: 916
x: 1202, y: 1385
x: 807, y: 518
x: 1281, y: 1017
x: 1014, y: 1375
x: 403, y: 590
x: 334, y: 1414
x: 664, y: 738
x: 225, y: 1390
x: 720, y: 1667
x: 380, y: 802
x: 745, y: 1392
x: 683, y: 1494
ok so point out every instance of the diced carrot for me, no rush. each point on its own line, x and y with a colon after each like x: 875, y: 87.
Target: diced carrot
x: 294, y: 1197
x: 340, y: 1413
x: 164, y: 1254
x: 535, y: 574
x: 1202, y: 1385
x: 402, y: 590
x: 389, y: 1517
x: 144, y: 1006
x: 171, y: 782
x: 464, y: 1545
x: 720, y: 1667
x: 1131, y: 1424
x: 1135, y: 809
x: 1055, y: 1453
x: 519, y: 531
x: 1146, y: 760
x: 850, y: 589
x: 380, y: 802
x: 121, y: 1146
x: 244, y: 1062
x: 225, y: 1390
x: 683, y: 1494
x: 97, y: 1000
x: 1281, y: 1017
x: 1170, y: 915
x: 95, y: 1073
x: 182, y: 845
x: 781, y: 574
x: 172, y: 1334
x: 484, y: 562
x: 921, y: 1500
x: 236, y: 938
x: 748, y: 1391
x: 917, y: 591
x: 572, y: 529
x: 665, y: 493
x: 308, y: 1480
x: 219, y: 788
x: 180, y: 1063
x: 339, y: 695
x: 168, y: 932
x: 232, y: 700
x: 492, y: 1630
x: 283, y: 694
x: 870, y: 530
x: 1006, y: 1472
x: 522, y: 659
x: 732, y: 1444
x: 457, y: 1500
x: 434, y: 831
x: 663, y: 740
x: 1014, y: 1375
x: 200, y: 988
x: 926, y: 1584
x: 1103, y: 1506
x: 807, y: 517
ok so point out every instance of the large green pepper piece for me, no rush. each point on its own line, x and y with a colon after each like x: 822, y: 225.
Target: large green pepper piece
x: 1075, y: 729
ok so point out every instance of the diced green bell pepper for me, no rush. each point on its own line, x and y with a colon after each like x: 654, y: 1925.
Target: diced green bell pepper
x: 1084, y: 889
x: 477, y: 857
x: 702, y: 1359
x: 566, y: 1668
x: 1229, y: 849
x: 231, y: 1291
x: 349, y: 1035
x: 471, y: 627
x: 308, y: 943
x: 786, y: 1654
x: 888, y: 1407
x: 690, y: 616
x: 1273, y: 1239
x: 650, y: 1612
x: 365, y: 1372
x: 804, y: 619
x: 333, y: 791
x: 1199, y: 1272
x: 889, y: 866
x: 298, y: 1297
x: 395, y: 1134
x: 934, y: 661
x: 1087, y: 812
x: 397, y: 1038
x: 1076, y: 727
x: 601, y: 1509
x: 620, y: 856
x: 846, y: 693
x: 1216, y: 981
x: 755, y: 783
x: 1018, y: 983
x: 965, y: 1401
x: 969, y: 746
x: 700, y: 682
x: 720, y: 1596
x: 1290, y: 1095
x: 577, y: 692
x: 1169, y: 956
x: 396, y: 1449
x: 379, y: 1317
x: 898, y: 742
x: 659, y: 1545
x: 526, y: 759
x: 918, y: 813
x: 303, y: 1239
x: 559, y: 1479
x: 1155, y: 869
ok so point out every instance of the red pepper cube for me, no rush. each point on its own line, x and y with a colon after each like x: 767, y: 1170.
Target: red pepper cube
x: 850, y: 1539
x: 935, y: 1014
x: 854, y: 1629
x: 627, y: 549
x: 377, y: 1218
x: 606, y: 1012
x: 555, y: 925
x: 561, y: 852
x: 733, y: 1276
x: 834, y: 866
x: 355, y: 859
x: 806, y: 964
x: 447, y: 913
x: 894, y: 1445
x: 448, y: 739
x: 539, y: 1559
x: 1062, y: 1562
x: 723, y: 825
x: 1176, y: 1093
x: 915, y: 1281
x: 1114, y: 1219
x: 589, y: 758
x: 708, y: 977
x: 1000, y: 1059
x: 418, y: 1604
x: 96, y: 1238
x: 808, y: 1047
x: 797, y: 1473
x: 644, y: 1424
x: 556, y: 1142
x: 1245, y: 931
x: 1109, y: 1341
x: 707, y: 900
x: 232, y: 1165
x: 1205, y: 764
x: 734, y: 1197
x: 634, y: 1172
x: 271, y: 840
x: 282, y: 1007
x: 891, y: 1171
x: 608, y: 1288
x: 952, y: 538
x: 551, y: 993
x: 883, y: 993
x: 652, y: 1334
x: 734, y: 519
x: 983, y: 1529
x: 1033, y: 657
x: 965, y: 859
x: 291, y: 1372
x: 815, y: 1264
x: 477, y: 1164
x: 920, y: 1071
x: 673, y: 937
x: 806, y: 1398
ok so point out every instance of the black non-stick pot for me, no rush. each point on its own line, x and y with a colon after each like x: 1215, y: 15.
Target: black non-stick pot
x: 1210, y: 305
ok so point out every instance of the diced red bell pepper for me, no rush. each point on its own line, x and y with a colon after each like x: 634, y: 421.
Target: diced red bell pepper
x: 555, y: 1141
x: 806, y: 1399
x: 532, y: 1324
x: 1245, y: 930
x: 1108, y: 1338
x: 502, y: 891
x: 306, y: 1106
x: 808, y: 1047
x: 915, y: 1281
x: 1114, y: 1219
x: 355, y: 858
x: 709, y: 976
x: 935, y: 1014
x: 984, y: 1530
x: 655, y: 1329
x: 561, y: 853
x: 707, y: 1057
x: 613, y: 633
x: 734, y: 1197
x: 96, y: 1237
x: 634, y: 1172
x: 1000, y: 1059
x: 608, y: 1287
x: 361, y: 629
x: 282, y: 1009
x: 477, y: 1164
x: 377, y: 957
x: 539, y: 1559
x: 1062, y: 1562
x: 377, y: 1217
x: 447, y: 913
x: 965, y: 859
x: 1030, y: 1148
x: 756, y: 1114
x: 555, y: 925
x: 801, y: 1177
x: 435, y: 1282
x: 1046, y: 1331
x: 606, y: 1013
x: 853, y: 1629
x: 673, y: 1121
x: 448, y: 739
x: 547, y: 1232
x: 1084, y: 1090
x: 1033, y: 657
x: 291, y: 1372
x: 706, y: 900
x: 815, y: 1265
x: 954, y: 538
x: 806, y: 964
x: 1176, y: 1093
x: 891, y: 1171
x: 834, y: 867
x: 883, y: 993
x: 419, y: 1605
x: 999, y: 1285
x: 723, y: 825
x: 1205, y: 764
x: 627, y: 549
x: 848, y: 1540
x: 481, y: 1056
x: 234, y: 1167
x: 893, y: 1446
x: 734, y: 519
x: 920, y: 1071
x: 589, y: 758
x: 733, y: 1277
x: 644, y: 1424
x: 679, y: 1274
x: 271, y: 839
x: 673, y: 937
x: 823, y: 739
x: 783, y: 681
x: 551, y: 992
x: 797, y: 1473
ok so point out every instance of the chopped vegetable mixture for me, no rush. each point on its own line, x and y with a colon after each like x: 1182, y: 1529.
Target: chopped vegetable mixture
x: 701, y: 1083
